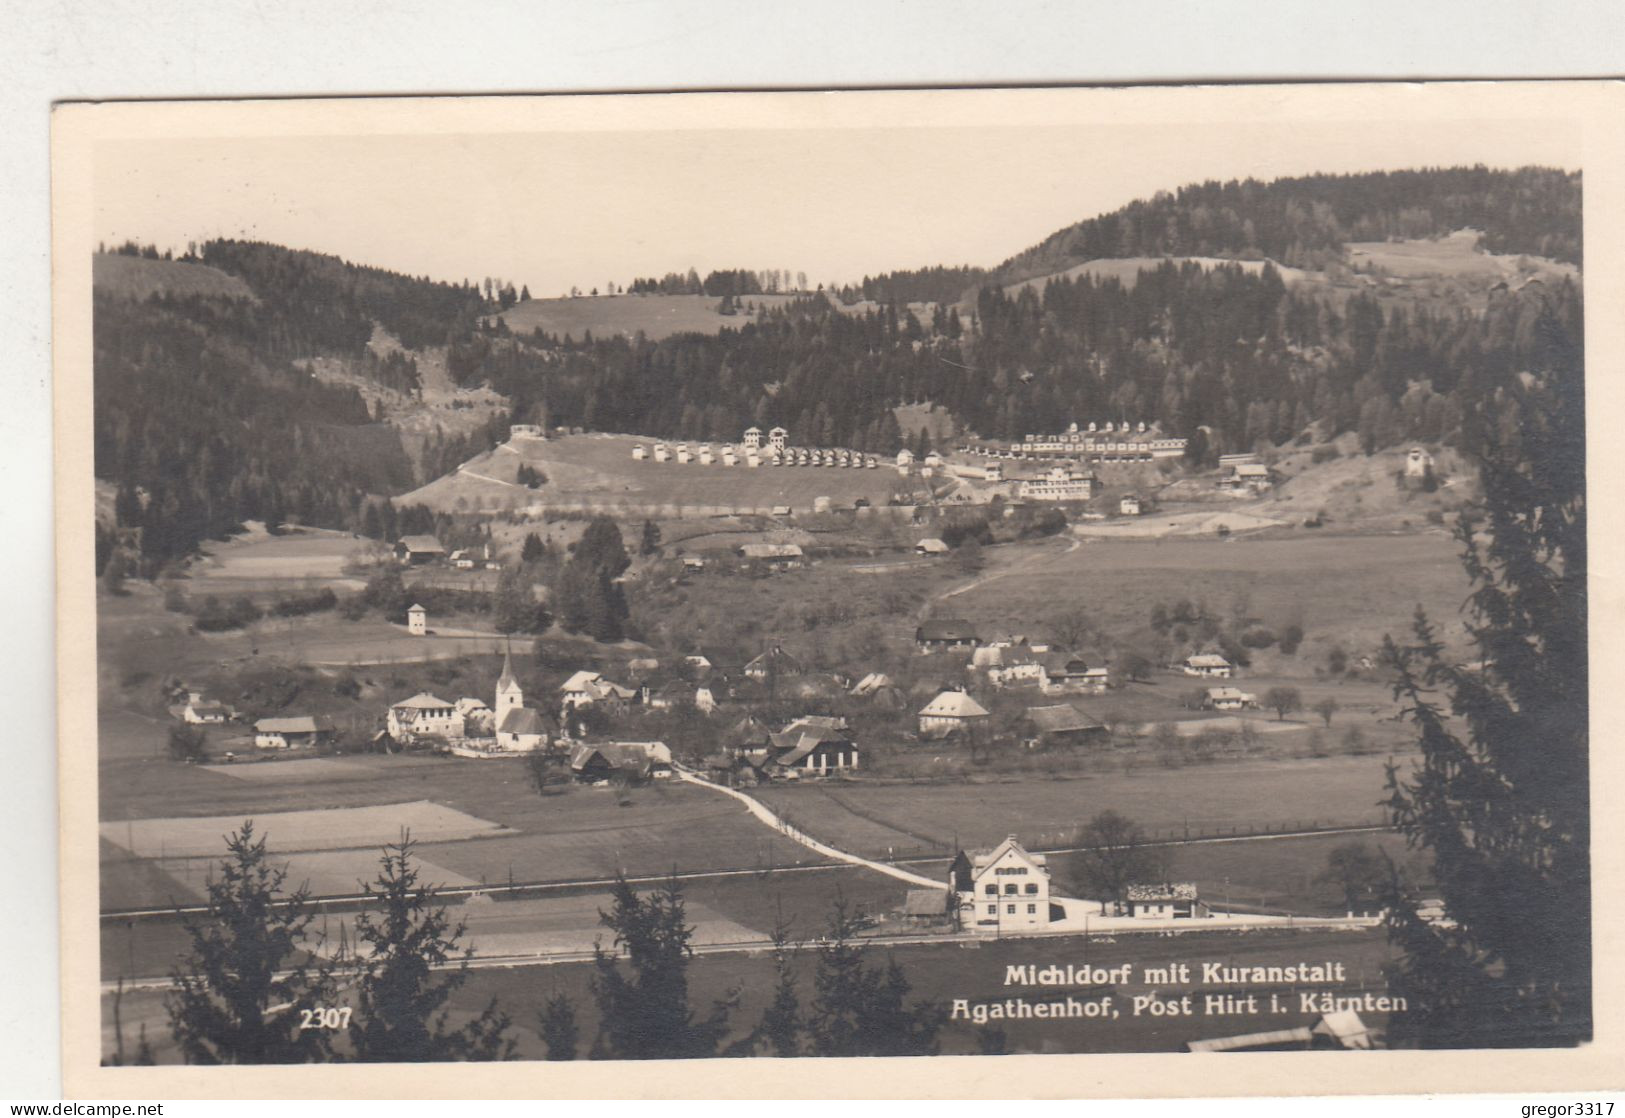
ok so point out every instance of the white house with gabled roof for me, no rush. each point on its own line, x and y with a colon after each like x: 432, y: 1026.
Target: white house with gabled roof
x: 424, y: 715
x: 1001, y: 890
x: 951, y: 712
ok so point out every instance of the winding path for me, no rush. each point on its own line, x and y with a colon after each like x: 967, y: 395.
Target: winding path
x: 762, y: 812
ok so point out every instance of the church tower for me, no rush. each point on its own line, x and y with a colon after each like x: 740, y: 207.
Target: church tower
x: 509, y: 696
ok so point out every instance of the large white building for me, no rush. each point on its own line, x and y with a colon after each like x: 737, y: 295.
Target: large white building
x: 1060, y: 484
x: 1000, y: 890
x: 424, y: 715
x: 1124, y: 441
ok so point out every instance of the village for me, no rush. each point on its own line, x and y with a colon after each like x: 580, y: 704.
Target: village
x: 927, y: 718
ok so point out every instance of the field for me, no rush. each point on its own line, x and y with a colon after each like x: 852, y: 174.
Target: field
x: 942, y: 973
x: 1348, y: 591
x: 1198, y: 800
x: 598, y: 472
x: 1456, y: 255
x: 656, y: 316
x: 478, y: 821
x: 135, y: 277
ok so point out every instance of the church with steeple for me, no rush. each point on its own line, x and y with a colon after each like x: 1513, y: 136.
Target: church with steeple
x: 519, y: 728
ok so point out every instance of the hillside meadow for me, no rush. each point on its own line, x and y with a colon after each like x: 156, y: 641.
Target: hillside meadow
x: 597, y: 472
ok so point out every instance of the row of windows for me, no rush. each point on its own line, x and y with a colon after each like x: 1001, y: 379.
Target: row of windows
x: 1010, y: 910
x: 1011, y: 887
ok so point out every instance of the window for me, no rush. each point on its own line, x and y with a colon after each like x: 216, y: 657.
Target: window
x: 1032, y: 887
x: 1010, y: 908
x: 1032, y: 909
x: 992, y: 890
x: 992, y: 910
x: 1010, y: 887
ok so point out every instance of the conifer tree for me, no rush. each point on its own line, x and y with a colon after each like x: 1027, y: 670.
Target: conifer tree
x: 244, y: 984
x: 1501, y: 799
x: 557, y: 1025
x: 858, y: 1010
x: 650, y: 543
x: 644, y: 1012
x: 406, y: 936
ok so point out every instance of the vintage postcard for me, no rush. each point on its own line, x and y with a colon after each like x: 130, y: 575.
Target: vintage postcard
x: 1059, y: 582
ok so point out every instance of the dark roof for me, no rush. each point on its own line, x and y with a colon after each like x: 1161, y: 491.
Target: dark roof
x: 1064, y: 662
x: 304, y: 724
x: 420, y: 544
x: 777, y: 660
x: 947, y: 630
x: 523, y: 720
x: 925, y: 902
x: 1060, y: 719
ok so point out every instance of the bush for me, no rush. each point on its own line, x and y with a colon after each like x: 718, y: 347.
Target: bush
x: 1324, y: 453
x: 1258, y: 637
x: 1291, y: 638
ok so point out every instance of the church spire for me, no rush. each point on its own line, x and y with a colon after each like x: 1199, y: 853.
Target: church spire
x: 506, y: 680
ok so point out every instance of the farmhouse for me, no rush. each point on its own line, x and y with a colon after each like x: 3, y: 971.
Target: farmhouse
x: 290, y: 733
x: 1228, y: 698
x: 637, y: 760
x: 1062, y: 724
x: 998, y: 890
x: 1012, y: 667
x: 414, y: 551
x: 951, y: 712
x: 479, y: 720
x: 813, y: 746
x: 203, y: 712
x: 931, y: 546
x: 869, y: 684
x: 1248, y: 477
x: 585, y: 688
x: 424, y: 715
x: 945, y: 634
x: 1208, y: 664
x: 775, y: 663
x: 417, y: 620
x: 1065, y: 672
x: 1178, y: 900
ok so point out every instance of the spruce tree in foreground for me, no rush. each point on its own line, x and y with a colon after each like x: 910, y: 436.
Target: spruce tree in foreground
x: 645, y: 1015
x: 858, y: 1010
x: 404, y: 941
x: 242, y: 989
x: 781, y: 1025
x: 557, y: 1025
x: 1502, y: 796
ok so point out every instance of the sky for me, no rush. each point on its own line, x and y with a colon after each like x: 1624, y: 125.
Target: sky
x: 556, y: 209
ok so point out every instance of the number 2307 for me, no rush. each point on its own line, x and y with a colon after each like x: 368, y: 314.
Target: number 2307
x: 330, y: 1018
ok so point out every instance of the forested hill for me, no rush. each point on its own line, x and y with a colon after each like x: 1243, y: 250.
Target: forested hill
x: 1305, y: 222
x: 205, y: 416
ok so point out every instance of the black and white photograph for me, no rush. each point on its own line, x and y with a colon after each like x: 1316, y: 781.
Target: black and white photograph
x: 963, y: 573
